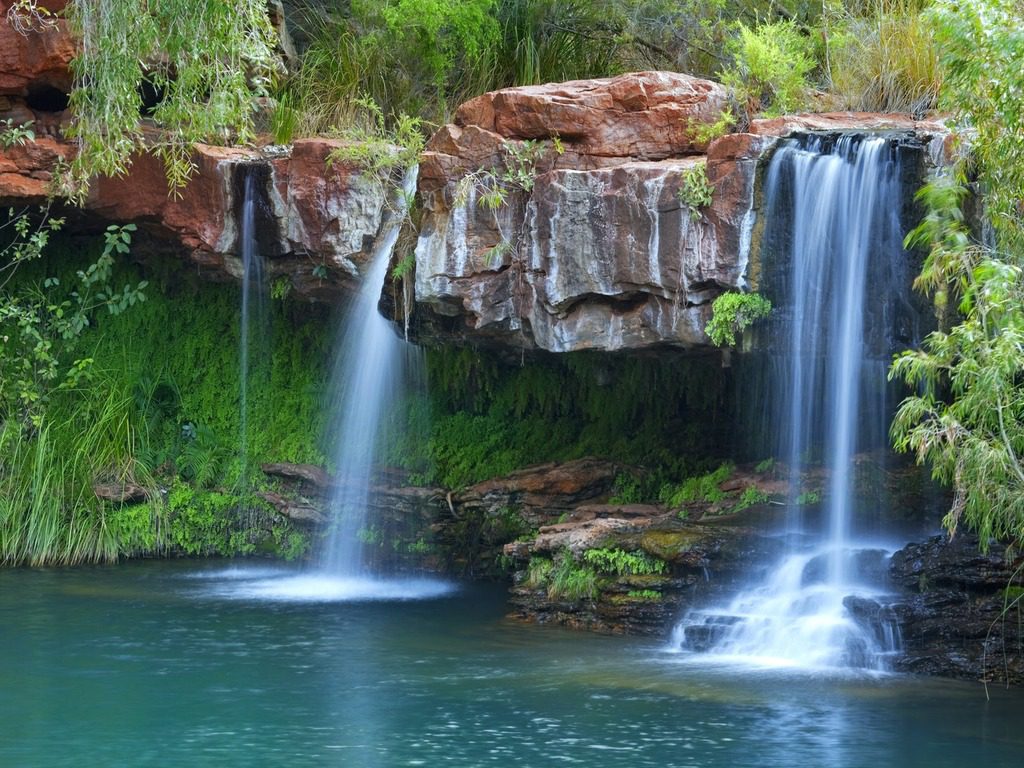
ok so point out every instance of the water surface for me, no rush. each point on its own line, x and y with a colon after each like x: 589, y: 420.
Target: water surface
x: 184, y: 664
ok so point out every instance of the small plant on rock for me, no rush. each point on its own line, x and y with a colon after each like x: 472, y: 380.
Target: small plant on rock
x: 701, y: 488
x: 751, y: 496
x: 696, y: 191
x: 732, y: 313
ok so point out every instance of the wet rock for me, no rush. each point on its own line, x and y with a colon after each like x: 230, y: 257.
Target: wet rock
x: 959, y: 618
x: 933, y: 131
x: 708, y: 634
x: 542, y: 492
x: 597, y: 250
x: 298, y: 510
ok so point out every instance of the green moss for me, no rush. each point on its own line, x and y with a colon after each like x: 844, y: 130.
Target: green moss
x: 158, y: 406
x: 669, y: 544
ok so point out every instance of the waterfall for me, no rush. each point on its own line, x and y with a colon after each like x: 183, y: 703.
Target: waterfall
x: 832, y: 211
x: 368, y: 378
x: 254, y: 325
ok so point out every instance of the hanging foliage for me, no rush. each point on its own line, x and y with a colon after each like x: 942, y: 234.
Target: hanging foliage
x: 204, y: 61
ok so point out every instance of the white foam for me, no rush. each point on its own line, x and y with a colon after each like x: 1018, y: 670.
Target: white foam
x: 320, y: 588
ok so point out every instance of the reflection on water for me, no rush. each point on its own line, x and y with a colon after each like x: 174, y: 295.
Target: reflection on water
x: 150, y: 664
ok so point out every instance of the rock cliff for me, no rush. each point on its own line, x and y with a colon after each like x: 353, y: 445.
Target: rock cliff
x: 594, y: 240
x: 318, y: 222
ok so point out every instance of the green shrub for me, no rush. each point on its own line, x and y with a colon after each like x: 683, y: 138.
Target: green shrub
x: 137, y: 529
x: 538, y: 572
x: 808, y: 498
x: 627, y: 489
x: 770, y: 68
x: 202, y: 523
x: 751, y: 496
x: 545, y: 41
x: 411, y: 57
x: 705, y: 133
x: 732, y: 313
x: 884, y: 59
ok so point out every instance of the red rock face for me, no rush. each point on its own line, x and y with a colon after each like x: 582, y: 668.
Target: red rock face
x: 322, y: 216
x: 26, y: 170
x: 36, y: 59
x: 601, y: 251
x: 644, y: 115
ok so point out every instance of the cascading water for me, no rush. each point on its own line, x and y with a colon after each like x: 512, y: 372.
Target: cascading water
x: 372, y: 367
x: 370, y: 371
x: 840, y: 258
x: 254, y: 319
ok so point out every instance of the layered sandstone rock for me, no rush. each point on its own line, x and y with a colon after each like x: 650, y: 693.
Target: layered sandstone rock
x: 318, y: 222
x: 595, y: 245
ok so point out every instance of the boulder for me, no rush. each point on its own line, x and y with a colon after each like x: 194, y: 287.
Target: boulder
x: 698, y: 562
x: 645, y: 115
x: 542, y: 492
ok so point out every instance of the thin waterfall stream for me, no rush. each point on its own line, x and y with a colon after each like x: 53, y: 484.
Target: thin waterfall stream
x: 254, y: 320
x: 843, y: 200
x: 371, y: 369
x: 373, y: 366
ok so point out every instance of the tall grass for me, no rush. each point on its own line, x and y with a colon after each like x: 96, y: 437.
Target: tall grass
x: 49, y: 514
x: 545, y: 41
x: 883, y: 58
